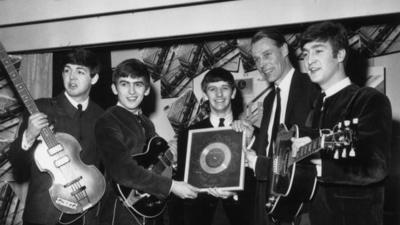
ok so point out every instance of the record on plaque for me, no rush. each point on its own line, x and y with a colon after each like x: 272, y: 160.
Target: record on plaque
x: 214, y: 158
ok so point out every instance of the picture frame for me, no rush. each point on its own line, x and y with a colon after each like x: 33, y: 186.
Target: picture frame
x: 215, y: 159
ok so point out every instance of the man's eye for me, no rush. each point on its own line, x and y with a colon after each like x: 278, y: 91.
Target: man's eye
x: 211, y: 89
x: 139, y: 85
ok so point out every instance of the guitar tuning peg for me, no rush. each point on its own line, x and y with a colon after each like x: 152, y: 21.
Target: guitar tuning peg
x: 346, y: 123
x: 339, y: 125
x: 355, y: 121
x: 352, y: 153
x: 336, y: 155
x: 344, y: 155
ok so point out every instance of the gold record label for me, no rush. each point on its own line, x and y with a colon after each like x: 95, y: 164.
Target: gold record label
x: 215, y: 158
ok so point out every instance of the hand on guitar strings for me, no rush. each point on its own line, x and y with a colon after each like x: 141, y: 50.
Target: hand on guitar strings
x: 297, y: 143
x: 184, y: 190
x: 219, y: 193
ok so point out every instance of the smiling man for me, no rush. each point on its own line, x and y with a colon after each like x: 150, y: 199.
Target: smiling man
x: 219, y: 90
x: 289, y: 101
x: 123, y: 131
x: 351, y: 189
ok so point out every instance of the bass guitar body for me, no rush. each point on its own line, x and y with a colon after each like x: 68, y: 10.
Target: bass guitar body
x: 158, y: 159
x: 76, y: 186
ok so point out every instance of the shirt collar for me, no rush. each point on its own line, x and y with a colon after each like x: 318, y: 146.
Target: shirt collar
x: 284, y: 85
x: 136, y: 112
x: 75, y: 103
x: 337, y: 87
x: 214, y: 119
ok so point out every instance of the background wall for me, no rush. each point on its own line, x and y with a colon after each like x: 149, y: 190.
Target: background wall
x: 47, y: 24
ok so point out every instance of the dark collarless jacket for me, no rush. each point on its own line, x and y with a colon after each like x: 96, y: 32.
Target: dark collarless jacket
x: 38, y: 208
x: 119, y: 135
x: 301, y: 98
x: 351, y: 188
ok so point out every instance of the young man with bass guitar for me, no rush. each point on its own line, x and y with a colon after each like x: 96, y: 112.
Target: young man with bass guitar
x: 73, y: 114
x: 121, y: 134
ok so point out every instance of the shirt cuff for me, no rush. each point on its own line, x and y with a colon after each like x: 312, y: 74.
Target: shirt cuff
x: 25, y: 144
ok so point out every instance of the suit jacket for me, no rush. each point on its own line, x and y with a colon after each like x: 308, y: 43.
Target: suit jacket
x: 119, y: 135
x: 61, y: 113
x: 301, y: 98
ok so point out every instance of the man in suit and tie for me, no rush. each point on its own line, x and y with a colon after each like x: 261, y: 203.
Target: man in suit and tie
x: 219, y: 90
x: 289, y: 101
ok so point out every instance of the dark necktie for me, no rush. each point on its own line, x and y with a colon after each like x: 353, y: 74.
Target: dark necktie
x: 276, y: 119
x: 221, y: 122
x: 79, y: 108
x: 318, y: 110
x: 79, y: 115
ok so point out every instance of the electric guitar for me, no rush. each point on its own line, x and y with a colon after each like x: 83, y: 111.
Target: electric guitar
x: 75, y: 186
x: 293, y: 184
x: 158, y: 158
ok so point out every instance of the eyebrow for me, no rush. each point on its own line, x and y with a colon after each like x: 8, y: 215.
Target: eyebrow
x: 133, y: 82
x: 318, y: 45
x: 78, y: 67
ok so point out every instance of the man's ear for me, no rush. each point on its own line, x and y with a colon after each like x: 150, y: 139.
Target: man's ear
x: 94, y: 79
x: 147, y: 92
x: 205, y: 96
x: 341, y: 55
x: 233, y: 93
x: 285, y: 49
x: 114, y: 89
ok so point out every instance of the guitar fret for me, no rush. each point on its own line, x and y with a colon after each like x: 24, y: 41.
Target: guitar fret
x: 307, y: 149
x: 25, y: 95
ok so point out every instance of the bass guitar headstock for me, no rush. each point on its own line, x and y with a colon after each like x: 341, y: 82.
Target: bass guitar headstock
x: 341, y: 138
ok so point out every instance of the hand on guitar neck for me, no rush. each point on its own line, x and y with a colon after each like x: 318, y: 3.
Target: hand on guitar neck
x: 341, y: 136
x: 36, y: 123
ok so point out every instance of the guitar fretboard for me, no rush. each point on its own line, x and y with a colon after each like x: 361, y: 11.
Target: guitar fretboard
x: 308, y: 149
x: 24, y: 94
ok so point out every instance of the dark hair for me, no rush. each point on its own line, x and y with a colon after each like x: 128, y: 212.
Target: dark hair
x: 272, y: 34
x: 133, y: 68
x: 220, y: 74
x: 335, y: 33
x: 84, y: 57
x: 215, y: 75
x: 279, y: 39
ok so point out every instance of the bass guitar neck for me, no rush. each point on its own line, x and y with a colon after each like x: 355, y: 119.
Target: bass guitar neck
x: 75, y: 186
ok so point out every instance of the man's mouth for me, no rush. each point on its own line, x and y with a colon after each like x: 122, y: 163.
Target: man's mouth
x: 132, y: 98
x: 313, y: 69
x: 72, y: 85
